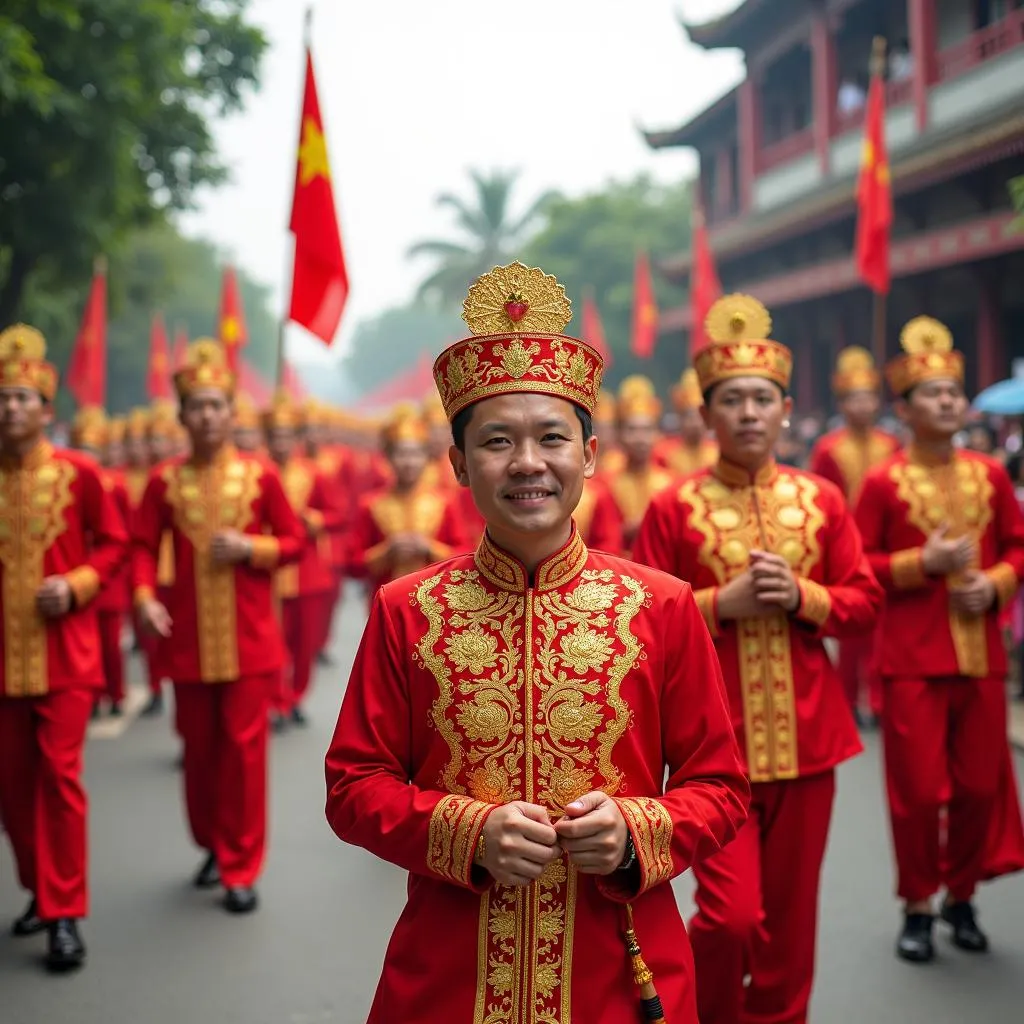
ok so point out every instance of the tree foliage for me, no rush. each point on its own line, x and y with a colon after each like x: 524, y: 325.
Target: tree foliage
x: 104, y: 116
x: 1017, y: 195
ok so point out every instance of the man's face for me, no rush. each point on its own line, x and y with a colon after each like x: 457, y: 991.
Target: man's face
x: 691, y: 426
x: 281, y: 442
x: 207, y: 414
x: 408, y: 461
x: 24, y: 414
x: 160, y: 448
x: 746, y: 414
x: 860, y: 409
x: 113, y: 454
x: 247, y: 439
x: 637, y: 435
x: 934, y: 410
x: 525, y: 461
x: 136, y: 452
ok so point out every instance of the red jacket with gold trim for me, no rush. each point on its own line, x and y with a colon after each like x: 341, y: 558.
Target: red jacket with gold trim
x: 787, y: 702
x: 224, y: 625
x: 631, y: 494
x: 845, y: 457
x: 683, y: 459
x: 903, y: 501
x: 56, y: 519
x: 597, y: 518
x: 474, y: 686
x: 115, y: 597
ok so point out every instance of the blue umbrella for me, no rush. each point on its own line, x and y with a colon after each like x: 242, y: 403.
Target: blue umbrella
x: 1003, y: 399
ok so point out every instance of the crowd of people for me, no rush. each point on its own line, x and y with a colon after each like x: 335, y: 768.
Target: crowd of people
x: 594, y: 656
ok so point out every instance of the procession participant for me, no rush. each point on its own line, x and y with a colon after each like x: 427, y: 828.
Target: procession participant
x: 395, y: 531
x: 776, y: 563
x: 691, y: 448
x: 60, y: 538
x: 439, y: 438
x: 136, y: 451
x: 300, y: 587
x: 634, y: 485
x: 231, y: 527
x: 512, y: 716
x: 844, y: 456
x: 610, y: 458
x: 945, y: 535
x: 246, y: 432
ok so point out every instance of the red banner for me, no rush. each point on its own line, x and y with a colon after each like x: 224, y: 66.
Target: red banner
x: 645, y: 310
x: 158, y: 380
x: 705, y: 288
x: 874, y: 196
x: 593, y: 329
x: 231, y: 329
x: 87, y: 368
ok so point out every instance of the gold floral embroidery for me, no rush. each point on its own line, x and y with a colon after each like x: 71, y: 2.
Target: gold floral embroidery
x: 651, y: 827
x: 452, y: 835
x: 855, y: 455
x: 33, y: 500
x: 633, y: 491
x: 419, y: 512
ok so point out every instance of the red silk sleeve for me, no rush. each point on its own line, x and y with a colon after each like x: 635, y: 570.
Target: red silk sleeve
x: 108, y: 538
x: 822, y: 464
x: 284, y: 525
x: 605, y: 531
x: 147, y: 528
x: 1008, y: 572
x: 895, y: 570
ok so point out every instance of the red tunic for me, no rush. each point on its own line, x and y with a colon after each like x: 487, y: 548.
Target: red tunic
x: 631, y: 494
x: 683, y: 459
x: 56, y: 519
x: 845, y: 457
x: 471, y: 689
x: 224, y: 623
x: 903, y: 501
x: 787, y: 702
x: 116, y: 596
x: 597, y: 518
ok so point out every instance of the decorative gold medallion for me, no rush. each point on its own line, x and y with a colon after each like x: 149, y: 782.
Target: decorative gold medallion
x: 516, y: 298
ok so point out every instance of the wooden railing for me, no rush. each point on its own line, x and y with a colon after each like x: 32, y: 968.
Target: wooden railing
x: 980, y: 46
x: 786, y: 149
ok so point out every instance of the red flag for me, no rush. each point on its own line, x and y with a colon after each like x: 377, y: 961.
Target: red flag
x: 593, y: 329
x: 180, y: 347
x: 645, y: 310
x: 231, y: 328
x: 87, y: 368
x: 874, y: 196
x: 319, y: 277
x: 158, y: 381
x: 705, y: 288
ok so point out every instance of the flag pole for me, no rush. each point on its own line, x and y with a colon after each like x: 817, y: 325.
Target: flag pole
x: 878, y: 329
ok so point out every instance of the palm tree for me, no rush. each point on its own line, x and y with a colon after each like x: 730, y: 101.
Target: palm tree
x: 491, y: 237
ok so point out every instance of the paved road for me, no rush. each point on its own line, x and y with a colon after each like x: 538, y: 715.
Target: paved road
x: 162, y: 953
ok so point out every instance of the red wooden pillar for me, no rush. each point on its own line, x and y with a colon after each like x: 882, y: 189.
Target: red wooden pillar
x: 748, y: 113
x: 824, y: 84
x: 923, y: 50
x: 991, y: 351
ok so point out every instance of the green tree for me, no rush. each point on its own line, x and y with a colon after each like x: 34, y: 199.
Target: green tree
x: 491, y: 236
x: 1017, y: 195
x: 105, y: 109
x: 590, y: 243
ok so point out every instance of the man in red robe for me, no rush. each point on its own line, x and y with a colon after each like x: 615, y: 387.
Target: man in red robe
x: 691, y: 448
x: 844, y: 456
x: 231, y: 527
x: 945, y: 535
x: 777, y: 565
x: 61, y: 537
x: 512, y: 717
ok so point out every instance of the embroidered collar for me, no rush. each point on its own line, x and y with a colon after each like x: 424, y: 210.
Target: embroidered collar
x: 918, y: 456
x: 508, y: 573
x: 38, y: 456
x: 733, y: 475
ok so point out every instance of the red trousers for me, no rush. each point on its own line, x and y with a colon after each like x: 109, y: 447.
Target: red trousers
x: 757, y: 908
x: 223, y: 727
x: 328, y: 601
x: 945, y: 754
x: 150, y: 647
x: 113, y: 657
x: 301, y: 621
x: 42, y: 800
x: 856, y: 671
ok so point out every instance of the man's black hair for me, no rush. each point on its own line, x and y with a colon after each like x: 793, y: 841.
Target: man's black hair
x: 461, y: 421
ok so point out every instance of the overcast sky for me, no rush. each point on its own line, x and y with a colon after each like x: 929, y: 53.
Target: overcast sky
x: 413, y: 94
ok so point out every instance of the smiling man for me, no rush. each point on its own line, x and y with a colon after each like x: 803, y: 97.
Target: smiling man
x: 777, y: 565
x: 512, y: 715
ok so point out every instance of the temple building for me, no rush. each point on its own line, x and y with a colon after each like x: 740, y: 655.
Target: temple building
x: 780, y: 153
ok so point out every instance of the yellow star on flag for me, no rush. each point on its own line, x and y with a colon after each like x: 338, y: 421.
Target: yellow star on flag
x: 313, y: 162
x: 229, y: 330
x: 648, y: 315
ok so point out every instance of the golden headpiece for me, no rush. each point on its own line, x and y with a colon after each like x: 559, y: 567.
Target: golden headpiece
x: 206, y: 366
x: 314, y: 412
x: 433, y: 412
x: 517, y: 314
x: 606, y: 408
x: 117, y: 428
x: 855, y: 371
x: 163, y: 419
x: 687, y: 394
x: 738, y: 326
x: 89, y: 428
x: 23, y: 361
x: 404, y: 424
x: 637, y: 397
x: 247, y: 416
x: 284, y: 412
x: 928, y: 355
x: 137, y: 426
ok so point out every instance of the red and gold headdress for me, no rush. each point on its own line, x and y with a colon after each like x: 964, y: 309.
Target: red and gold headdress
x: 117, y: 428
x: 637, y: 397
x: 405, y: 424
x: 738, y: 326
x: 247, y: 416
x: 284, y: 413
x: 23, y: 361
x: 855, y: 371
x: 89, y: 428
x: 163, y: 419
x: 433, y: 412
x: 206, y: 366
x: 137, y: 426
x: 928, y: 355
x: 605, y: 410
x: 516, y: 314
x: 687, y: 393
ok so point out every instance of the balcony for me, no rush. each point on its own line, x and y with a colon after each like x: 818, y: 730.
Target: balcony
x: 781, y: 152
x: 897, y: 94
x: 983, y: 45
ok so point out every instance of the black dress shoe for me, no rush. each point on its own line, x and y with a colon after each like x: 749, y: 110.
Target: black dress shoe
x: 154, y: 708
x: 116, y: 711
x: 299, y: 716
x: 66, y: 950
x: 966, y: 933
x: 241, y: 899
x: 278, y: 722
x: 915, y: 941
x: 30, y: 923
x: 208, y: 875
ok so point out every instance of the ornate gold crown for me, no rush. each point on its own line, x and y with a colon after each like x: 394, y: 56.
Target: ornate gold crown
x: 928, y: 355
x: 116, y: 430
x: 138, y: 424
x: 855, y: 371
x: 247, y: 416
x: 637, y: 397
x: 738, y: 326
x: 89, y: 428
x: 516, y: 314
x: 23, y: 361
x: 283, y: 412
x: 687, y: 394
x: 206, y: 366
x: 405, y: 424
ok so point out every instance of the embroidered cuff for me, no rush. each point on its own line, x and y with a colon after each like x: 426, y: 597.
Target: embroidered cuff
x: 455, y: 826
x: 1005, y: 580
x: 143, y: 594
x: 707, y: 603
x: 265, y: 552
x: 84, y: 582
x: 815, y: 603
x: 650, y: 825
x: 907, y: 569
